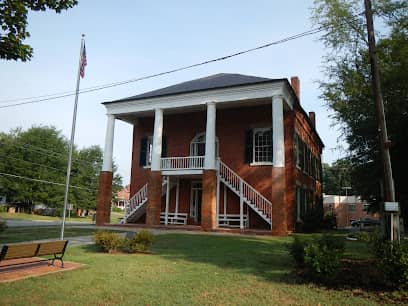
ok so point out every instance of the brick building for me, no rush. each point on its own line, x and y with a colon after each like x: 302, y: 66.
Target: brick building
x: 122, y: 197
x: 227, y: 150
x: 347, y: 209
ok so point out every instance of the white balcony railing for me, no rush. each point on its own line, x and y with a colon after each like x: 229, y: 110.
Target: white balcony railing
x: 182, y: 163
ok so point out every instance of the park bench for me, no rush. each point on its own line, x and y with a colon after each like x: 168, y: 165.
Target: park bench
x: 34, y: 249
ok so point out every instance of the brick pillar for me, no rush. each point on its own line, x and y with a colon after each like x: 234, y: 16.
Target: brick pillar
x: 103, y: 207
x: 279, y: 209
x: 209, y: 200
x: 154, y: 199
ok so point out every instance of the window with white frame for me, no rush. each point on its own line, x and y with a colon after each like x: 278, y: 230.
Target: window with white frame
x: 262, y: 145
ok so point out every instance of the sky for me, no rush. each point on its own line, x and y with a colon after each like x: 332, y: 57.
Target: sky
x: 130, y: 39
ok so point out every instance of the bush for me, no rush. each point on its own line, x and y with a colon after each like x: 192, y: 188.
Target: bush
x: 108, y: 241
x: 320, y: 257
x: 321, y: 262
x: 141, y: 242
x: 297, y: 250
x: 3, y: 225
x: 392, y: 258
x: 329, y: 221
x: 116, y: 209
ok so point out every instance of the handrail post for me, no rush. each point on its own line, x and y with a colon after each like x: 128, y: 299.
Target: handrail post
x: 241, y: 205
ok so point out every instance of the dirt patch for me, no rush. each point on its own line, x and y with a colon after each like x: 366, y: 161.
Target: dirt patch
x: 16, y: 269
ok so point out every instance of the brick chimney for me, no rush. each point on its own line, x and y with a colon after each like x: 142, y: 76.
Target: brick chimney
x: 294, y: 82
x: 312, y: 117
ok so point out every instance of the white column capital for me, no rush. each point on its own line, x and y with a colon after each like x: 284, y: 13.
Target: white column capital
x: 209, y: 161
x: 108, y: 152
x: 157, y: 139
x: 277, y: 97
x: 278, y: 131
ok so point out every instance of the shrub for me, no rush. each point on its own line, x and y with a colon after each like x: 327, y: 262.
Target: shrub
x: 321, y: 262
x: 3, y: 225
x: 332, y: 242
x: 117, y: 209
x: 141, y: 242
x: 320, y: 257
x: 108, y: 241
x: 392, y: 258
x: 297, y: 250
x: 329, y: 221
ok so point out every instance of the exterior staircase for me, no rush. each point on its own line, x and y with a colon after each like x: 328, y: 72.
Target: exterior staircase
x: 248, y: 194
x: 137, y: 204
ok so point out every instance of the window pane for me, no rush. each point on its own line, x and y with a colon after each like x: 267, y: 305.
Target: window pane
x: 262, y: 145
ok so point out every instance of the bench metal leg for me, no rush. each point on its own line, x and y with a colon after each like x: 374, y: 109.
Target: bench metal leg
x: 56, y: 258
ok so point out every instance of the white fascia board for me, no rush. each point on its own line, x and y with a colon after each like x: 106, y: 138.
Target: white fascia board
x: 225, y: 95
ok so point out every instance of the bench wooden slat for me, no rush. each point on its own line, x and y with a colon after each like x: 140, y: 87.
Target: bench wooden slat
x: 21, y: 251
x: 52, y: 247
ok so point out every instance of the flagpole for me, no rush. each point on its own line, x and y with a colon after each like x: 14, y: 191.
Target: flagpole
x: 71, y: 143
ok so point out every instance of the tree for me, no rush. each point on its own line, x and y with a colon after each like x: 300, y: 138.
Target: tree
x: 347, y: 90
x: 34, y: 162
x: 13, y: 22
x: 337, y: 176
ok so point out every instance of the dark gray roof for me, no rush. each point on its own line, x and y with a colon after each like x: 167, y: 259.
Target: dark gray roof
x: 220, y: 80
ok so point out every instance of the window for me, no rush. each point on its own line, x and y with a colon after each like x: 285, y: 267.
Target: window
x: 352, y: 207
x: 262, y: 148
x: 296, y: 149
x: 146, y: 149
x: 197, y: 145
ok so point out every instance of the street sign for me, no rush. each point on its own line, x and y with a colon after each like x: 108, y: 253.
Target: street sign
x: 70, y: 206
x: 391, y: 206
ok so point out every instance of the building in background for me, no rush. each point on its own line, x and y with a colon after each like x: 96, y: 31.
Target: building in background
x: 347, y: 209
x: 122, y: 199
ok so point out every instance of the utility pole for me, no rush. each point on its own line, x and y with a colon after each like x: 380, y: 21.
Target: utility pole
x: 389, y: 193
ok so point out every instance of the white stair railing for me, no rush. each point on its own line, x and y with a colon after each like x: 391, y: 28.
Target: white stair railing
x: 138, y: 199
x: 182, y: 163
x: 250, y: 194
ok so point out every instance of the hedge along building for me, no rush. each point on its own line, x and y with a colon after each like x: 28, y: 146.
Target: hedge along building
x: 227, y: 150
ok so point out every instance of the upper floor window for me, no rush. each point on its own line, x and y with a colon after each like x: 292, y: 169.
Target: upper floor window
x: 197, y: 145
x: 146, y: 150
x: 259, y: 146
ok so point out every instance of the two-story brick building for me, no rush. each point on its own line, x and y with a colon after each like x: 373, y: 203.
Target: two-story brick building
x: 227, y: 150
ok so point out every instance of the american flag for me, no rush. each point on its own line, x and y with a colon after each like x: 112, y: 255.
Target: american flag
x: 83, y: 62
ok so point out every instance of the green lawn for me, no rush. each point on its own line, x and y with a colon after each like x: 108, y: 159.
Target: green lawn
x: 19, y: 234
x: 24, y: 216
x: 183, y: 270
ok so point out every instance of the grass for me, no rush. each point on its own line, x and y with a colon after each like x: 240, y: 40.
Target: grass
x: 115, y: 217
x: 32, y: 217
x: 183, y: 270
x: 19, y: 234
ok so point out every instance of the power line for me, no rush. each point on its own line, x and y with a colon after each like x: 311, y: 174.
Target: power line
x: 110, y: 85
x: 44, y: 181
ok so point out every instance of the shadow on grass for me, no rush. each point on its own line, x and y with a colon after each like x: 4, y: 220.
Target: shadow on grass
x: 265, y: 258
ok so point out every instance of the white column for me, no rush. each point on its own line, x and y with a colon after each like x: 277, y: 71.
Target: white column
x: 177, y: 196
x: 209, y: 162
x: 217, y: 213
x: 157, y: 139
x: 241, y: 205
x: 166, y: 212
x: 225, y: 201
x: 107, y: 154
x: 278, y: 132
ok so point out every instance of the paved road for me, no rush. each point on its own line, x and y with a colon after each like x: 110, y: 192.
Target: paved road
x: 41, y: 223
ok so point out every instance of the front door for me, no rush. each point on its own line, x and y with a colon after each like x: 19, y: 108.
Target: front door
x: 195, y: 202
